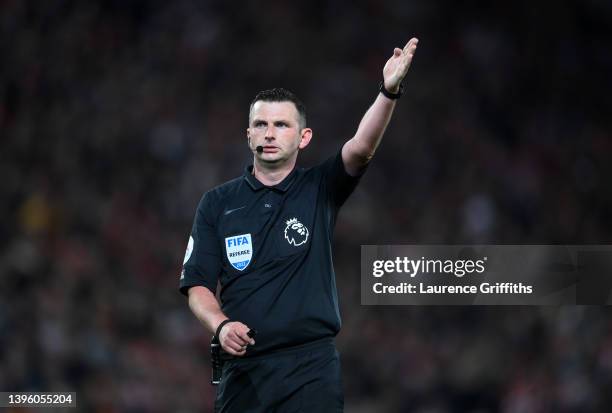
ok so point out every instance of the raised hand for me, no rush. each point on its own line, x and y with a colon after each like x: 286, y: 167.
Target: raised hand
x: 397, y: 66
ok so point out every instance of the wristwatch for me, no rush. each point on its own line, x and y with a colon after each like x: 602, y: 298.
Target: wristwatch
x: 218, y: 332
x: 388, y: 94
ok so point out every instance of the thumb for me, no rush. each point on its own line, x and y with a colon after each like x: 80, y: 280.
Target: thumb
x: 397, y: 51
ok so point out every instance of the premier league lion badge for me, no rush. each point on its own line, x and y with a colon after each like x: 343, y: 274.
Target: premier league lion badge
x: 296, y: 233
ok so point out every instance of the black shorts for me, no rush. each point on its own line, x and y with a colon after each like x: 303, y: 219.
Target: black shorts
x: 303, y: 379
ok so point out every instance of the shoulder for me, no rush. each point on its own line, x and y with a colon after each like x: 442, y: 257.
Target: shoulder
x: 328, y: 165
x: 225, y: 190
x: 214, y: 200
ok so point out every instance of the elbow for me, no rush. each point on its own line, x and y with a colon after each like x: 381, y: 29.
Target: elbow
x: 363, y: 159
x: 356, y: 162
x: 363, y: 154
x: 356, y: 155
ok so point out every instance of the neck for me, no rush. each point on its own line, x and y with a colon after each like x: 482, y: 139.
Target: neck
x: 270, y: 176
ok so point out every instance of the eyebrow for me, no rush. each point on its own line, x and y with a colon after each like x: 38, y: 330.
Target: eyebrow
x: 256, y: 120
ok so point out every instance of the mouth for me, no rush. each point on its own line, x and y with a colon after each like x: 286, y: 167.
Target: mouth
x: 270, y: 149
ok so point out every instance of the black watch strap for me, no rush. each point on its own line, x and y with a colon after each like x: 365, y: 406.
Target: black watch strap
x: 224, y: 322
x: 388, y: 94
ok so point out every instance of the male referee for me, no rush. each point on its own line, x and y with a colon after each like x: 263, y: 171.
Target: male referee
x: 266, y: 238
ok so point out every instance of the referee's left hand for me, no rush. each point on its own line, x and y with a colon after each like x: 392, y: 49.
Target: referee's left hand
x: 234, y: 339
x: 397, y: 66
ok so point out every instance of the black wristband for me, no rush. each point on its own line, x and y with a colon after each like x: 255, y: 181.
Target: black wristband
x: 388, y: 94
x: 224, y: 322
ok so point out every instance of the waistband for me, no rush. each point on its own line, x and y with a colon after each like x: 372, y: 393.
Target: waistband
x: 311, y: 345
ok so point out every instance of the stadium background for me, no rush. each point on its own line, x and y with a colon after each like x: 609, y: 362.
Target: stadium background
x: 116, y: 116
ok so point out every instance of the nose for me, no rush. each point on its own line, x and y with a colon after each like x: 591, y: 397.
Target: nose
x: 269, y: 133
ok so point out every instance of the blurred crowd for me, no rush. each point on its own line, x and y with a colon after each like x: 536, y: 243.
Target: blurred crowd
x: 116, y: 116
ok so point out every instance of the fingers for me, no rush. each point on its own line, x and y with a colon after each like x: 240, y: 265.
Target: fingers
x: 244, y: 337
x: 233, y: 345
x: 408, y: 50
x: 411, y: 46
x: 233, y: 348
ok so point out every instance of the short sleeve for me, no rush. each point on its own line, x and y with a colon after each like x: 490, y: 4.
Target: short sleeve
x: 202, y: 264
x: 340, y: 185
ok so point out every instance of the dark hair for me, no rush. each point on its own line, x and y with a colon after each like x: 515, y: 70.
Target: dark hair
x: 281, y: 95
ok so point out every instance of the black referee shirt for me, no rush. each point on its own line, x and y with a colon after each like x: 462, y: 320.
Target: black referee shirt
x: 270, y: 249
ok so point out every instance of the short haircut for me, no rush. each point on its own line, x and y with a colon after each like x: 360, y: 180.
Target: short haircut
x: 281, y: 95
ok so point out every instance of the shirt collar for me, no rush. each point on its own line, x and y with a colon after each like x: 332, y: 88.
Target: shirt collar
x: 256, y: 185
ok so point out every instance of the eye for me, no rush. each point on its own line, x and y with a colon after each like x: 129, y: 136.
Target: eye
x: 259, y: 124
x: 281, y: 125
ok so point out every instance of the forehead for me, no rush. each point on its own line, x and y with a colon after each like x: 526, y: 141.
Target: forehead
x: 274, y: 110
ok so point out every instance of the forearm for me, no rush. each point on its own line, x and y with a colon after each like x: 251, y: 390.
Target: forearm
x: 373, y: 125
x: 205, y: 307
x: 358, y: 151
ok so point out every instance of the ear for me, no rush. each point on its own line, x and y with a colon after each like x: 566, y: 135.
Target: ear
x: 305, y: 138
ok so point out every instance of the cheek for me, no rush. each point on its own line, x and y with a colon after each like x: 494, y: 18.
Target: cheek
x: 297, y: 139
x: 292, y: 139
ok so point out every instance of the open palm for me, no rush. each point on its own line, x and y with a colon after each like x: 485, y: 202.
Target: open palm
x: 397, y: 66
